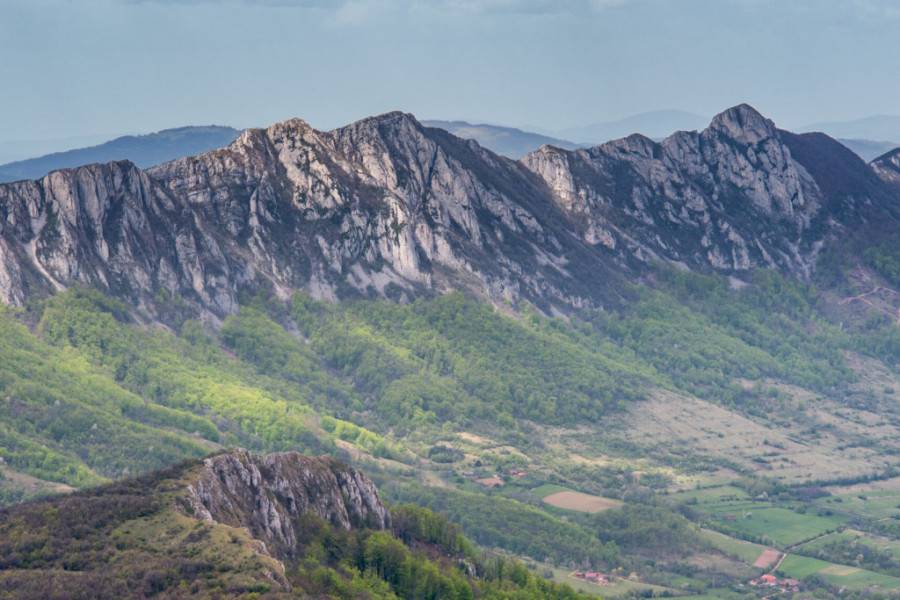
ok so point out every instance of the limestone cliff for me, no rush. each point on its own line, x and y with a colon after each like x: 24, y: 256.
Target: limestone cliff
x: 386, y: 207
x: 730, y: 198
x: 887, y: 166
x: 268, y: 495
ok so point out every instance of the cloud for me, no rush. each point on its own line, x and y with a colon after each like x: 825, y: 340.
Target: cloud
x: 360, y: 12
x: 263, y: 3
x: 351, y: 10
x: 878, y: 9
x: 524, y: 7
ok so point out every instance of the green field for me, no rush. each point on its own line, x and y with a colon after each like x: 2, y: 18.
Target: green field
x: 874, y: 505
x: 712, y: 495
x: 788, y: 527
x: 843, y: 536
x: 548, y: 489
x: 801, y: 567
x: 746, y: 551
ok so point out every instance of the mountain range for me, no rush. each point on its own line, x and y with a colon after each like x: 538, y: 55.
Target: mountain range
x: 662, y: 360
x: 388, y: 207
x: 655, y: 125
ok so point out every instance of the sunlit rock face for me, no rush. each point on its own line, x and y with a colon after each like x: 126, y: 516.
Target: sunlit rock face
x: 388, y: 208
x: 730, y: 198
x: 268, y: 496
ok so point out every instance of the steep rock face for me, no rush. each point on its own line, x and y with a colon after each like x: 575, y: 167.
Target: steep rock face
x: 730, y: 198
x: 887, y: 166
x: 387, y: 207
x: 268, y: 495
x: 107, y: 226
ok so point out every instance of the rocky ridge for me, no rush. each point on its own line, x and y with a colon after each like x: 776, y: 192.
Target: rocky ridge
x: 268, y: 495
x: 386, y: 207
x: 887, y: 166
x: 730, y: 198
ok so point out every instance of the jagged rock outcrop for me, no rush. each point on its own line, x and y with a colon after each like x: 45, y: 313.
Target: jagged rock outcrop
x: 388, y: 208
x: 730, y: 198
x: 887, y: 166
x: 268, y: 495
x: 384, y: 206
x: 107, y: 226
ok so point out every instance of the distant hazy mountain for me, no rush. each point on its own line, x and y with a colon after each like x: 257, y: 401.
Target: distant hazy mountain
x: 22, y: 149
x: 508, y: 141
x: 657, y: 125
x: 879, y: 127
x: 143, y: 150
x: 868, y: 150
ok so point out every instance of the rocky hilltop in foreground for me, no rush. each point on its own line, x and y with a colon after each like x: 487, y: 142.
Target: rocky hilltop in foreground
x: 387, y: 207
x: 242, y: 526
x: 268, y: 495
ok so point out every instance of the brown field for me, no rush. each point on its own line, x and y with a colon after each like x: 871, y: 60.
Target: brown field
x: 581, y: 502
x: 490, y: 481
x: 767, y: 558
x: 839, y: 570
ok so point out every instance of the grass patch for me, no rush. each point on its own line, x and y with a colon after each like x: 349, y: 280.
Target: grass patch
x: 548, y: 489
x: 745, y: 551
x: 788, y: 527
x: 800, y: 567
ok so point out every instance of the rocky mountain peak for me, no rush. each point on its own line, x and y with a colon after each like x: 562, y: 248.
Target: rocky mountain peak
x: 887, y: 166
x: 268, y: 495
x: 386, y: 207
x: 743, y: 124
x: 635, y: 144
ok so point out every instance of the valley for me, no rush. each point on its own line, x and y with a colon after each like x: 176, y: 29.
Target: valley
x: 637, y: 360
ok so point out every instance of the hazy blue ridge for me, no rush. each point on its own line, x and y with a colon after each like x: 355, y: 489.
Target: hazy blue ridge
x: 143, y: 150
x: 507, y: 141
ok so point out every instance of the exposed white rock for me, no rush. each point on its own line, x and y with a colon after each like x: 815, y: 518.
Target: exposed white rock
x: 268, y: 495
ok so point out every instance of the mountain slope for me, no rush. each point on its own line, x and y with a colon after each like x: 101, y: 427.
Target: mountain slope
x: 382, y: 207
x: 241, y: 526
x: 739, y: 195
x: 388, y: 208
x: 143, y: 150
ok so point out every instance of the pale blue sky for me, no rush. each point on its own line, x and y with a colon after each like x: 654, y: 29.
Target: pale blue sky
x: 81, y: 67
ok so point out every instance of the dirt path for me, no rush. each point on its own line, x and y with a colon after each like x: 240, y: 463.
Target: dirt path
x: 778, y: 564
x: 810, y: 540
x: 875, y: 290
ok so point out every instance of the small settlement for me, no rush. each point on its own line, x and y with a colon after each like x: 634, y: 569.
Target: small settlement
x: 769, y: 580
x: 591, y: 577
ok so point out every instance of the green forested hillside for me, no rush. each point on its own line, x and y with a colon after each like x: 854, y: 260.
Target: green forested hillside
x: 128, y: 540
x: 91, y: 393
x: 432, y: 395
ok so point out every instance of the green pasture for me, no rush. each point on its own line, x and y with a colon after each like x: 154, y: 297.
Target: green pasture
x: 746, y: 551
x: 863, y: 578
x: 786, y: 527
x: 548, y: 489
x: 711, y: 495
x: 847, y: 536
x: 736, y: 507
x: 801, y: 567
x: 882, y: 544
x: 874, y: 505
